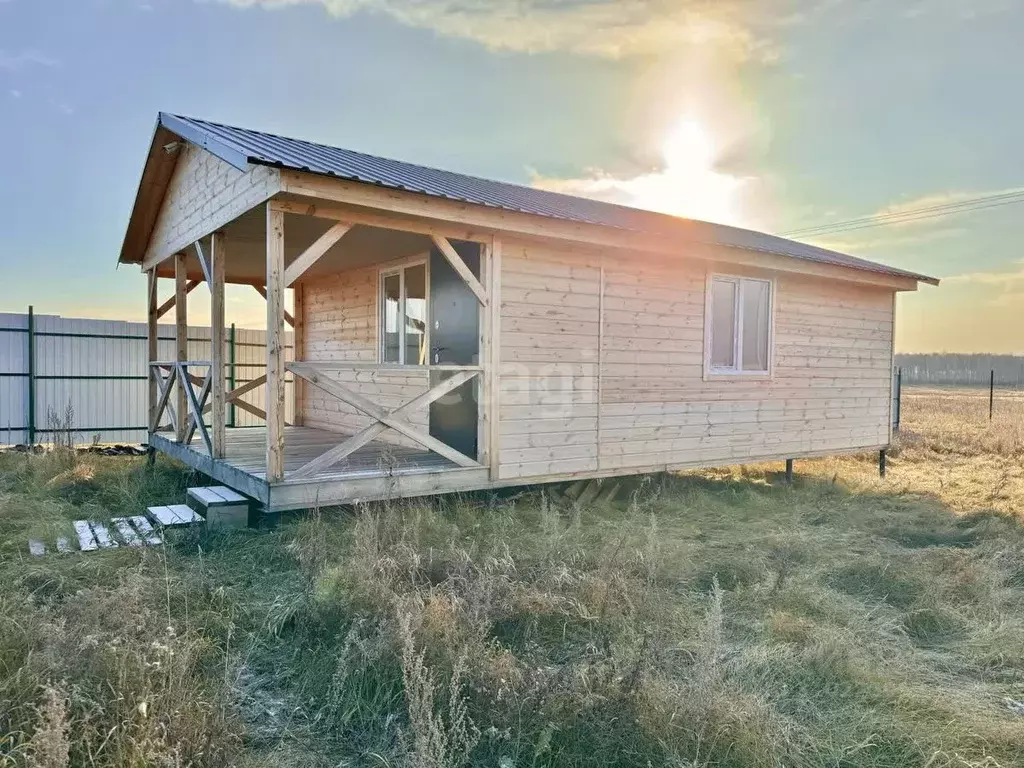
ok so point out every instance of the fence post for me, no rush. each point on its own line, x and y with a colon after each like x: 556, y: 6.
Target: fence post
x: 991, y: 392
x: 899, y: 397
x: 31, y: 421
x: 231, y: 374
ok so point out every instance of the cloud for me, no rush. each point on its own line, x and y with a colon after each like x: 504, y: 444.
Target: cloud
x: 742, y: 29
x: 601, y: 27
x: 883, y: 239
x: 23, y: 59
x: 1008, y: 277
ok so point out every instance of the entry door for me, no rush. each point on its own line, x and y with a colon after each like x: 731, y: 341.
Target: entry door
x: 454, y: 340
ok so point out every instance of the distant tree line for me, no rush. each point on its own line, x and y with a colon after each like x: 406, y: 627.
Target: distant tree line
x: 961, y: 370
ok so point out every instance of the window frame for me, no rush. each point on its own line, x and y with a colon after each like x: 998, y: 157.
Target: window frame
x: 390, y: 270
x: 736, y: 370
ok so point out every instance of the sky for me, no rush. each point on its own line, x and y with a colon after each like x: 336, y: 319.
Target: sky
x: 771, y: 114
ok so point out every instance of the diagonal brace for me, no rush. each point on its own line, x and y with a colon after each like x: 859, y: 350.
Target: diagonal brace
x: 364, y: 436
x: 310, y: 374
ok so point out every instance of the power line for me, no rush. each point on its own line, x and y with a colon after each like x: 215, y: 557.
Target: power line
x: 912, y: 214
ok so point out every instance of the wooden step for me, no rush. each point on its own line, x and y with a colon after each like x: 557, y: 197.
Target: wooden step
x: 146, y: 530
x: 173, y: 515
x: 221, y: 506
x: 127, y: 533
x: 103, y: 537
x: 86, y: 538
x: 216, y: 496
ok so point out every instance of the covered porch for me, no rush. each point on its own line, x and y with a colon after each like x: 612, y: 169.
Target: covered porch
x: 376, y: 470
x: 379, y: 411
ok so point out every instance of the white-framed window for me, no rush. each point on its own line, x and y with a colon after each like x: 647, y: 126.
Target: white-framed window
x: 738, y: 326
x: 404, y: 334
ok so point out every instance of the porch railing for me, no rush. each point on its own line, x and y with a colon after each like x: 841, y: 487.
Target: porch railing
x: 175, y: 375
x: 383, y: 418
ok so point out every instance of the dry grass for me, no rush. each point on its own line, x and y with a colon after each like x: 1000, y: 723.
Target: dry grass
x: 715, y: 619
x: 948, y: 448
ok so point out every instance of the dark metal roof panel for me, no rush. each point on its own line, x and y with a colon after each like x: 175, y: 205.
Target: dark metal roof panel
x: 236, y: 145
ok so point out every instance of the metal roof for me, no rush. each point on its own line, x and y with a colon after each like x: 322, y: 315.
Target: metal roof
x: 240, y: 146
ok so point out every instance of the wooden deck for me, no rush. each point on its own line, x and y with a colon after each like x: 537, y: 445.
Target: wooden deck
x: 375, y: 471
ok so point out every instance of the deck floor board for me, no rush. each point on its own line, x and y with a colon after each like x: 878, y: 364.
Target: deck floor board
x: 246, y: 450
x: 377, y: 470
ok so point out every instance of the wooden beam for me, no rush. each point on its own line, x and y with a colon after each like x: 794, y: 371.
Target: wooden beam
x: 245, y: 389
x: 168, y: 305
x: 262, y: 291
x: 259, y: 413
x: 165, y: 385
x: 600, y: 364
x: 180, y: 337
x: 486, y: 220
x: 218, y: 386
x: 315, y: 252
x: 274, y: 295
x: 195, y: 407
x: 299, y: 351
x: 152, y: 341
x: 309, y: 373
x: 379, y: 219
x: 492, y: 402
x: 483, y: 384
x: 361, y: 438
x: 203, y: 263
x: 453, y: 258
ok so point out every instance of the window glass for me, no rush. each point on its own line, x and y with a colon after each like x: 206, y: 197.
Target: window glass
x: 392, y: 290
x: 723, y: 324
x: 416, y: 315
x: 754, y: 345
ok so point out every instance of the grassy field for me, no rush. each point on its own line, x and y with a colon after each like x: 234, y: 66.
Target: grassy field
x: 718, y: 618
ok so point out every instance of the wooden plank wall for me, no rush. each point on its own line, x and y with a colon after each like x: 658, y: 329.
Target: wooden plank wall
x: 204, y: 193
x: 830, y: 391
x: 341, y: 326
x: 549, y: 362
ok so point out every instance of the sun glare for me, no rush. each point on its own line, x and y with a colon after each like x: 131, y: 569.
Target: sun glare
x: 689, y: 185
x: 689, y: 147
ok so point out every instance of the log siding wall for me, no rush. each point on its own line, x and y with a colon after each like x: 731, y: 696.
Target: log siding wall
x: 600, y: 383
x: 340, y: 314
x: 653, y: 406
x: 205, y: 193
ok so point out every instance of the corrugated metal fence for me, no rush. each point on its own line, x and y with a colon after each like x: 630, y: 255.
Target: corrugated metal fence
x: 96, y: 370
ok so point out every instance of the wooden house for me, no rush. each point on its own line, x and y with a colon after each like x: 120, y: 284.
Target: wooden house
x: 454, y: 333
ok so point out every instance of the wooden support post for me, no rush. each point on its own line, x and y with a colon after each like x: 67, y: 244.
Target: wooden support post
x: 789, y: 471
x: 152, y: 340
x: 299, y: 351
x: 881, y: 463
x: 181, y: 338
x: 492, y: 370
x: 231, y: 374
x: 275, y: 345
x: 218, y: 391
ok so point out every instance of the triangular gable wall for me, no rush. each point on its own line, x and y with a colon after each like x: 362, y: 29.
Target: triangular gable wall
x: 205, y: 193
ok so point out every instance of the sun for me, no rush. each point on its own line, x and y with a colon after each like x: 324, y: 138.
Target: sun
x: 686, y: 183
x: 689, y: 147
x: 689, y: 183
